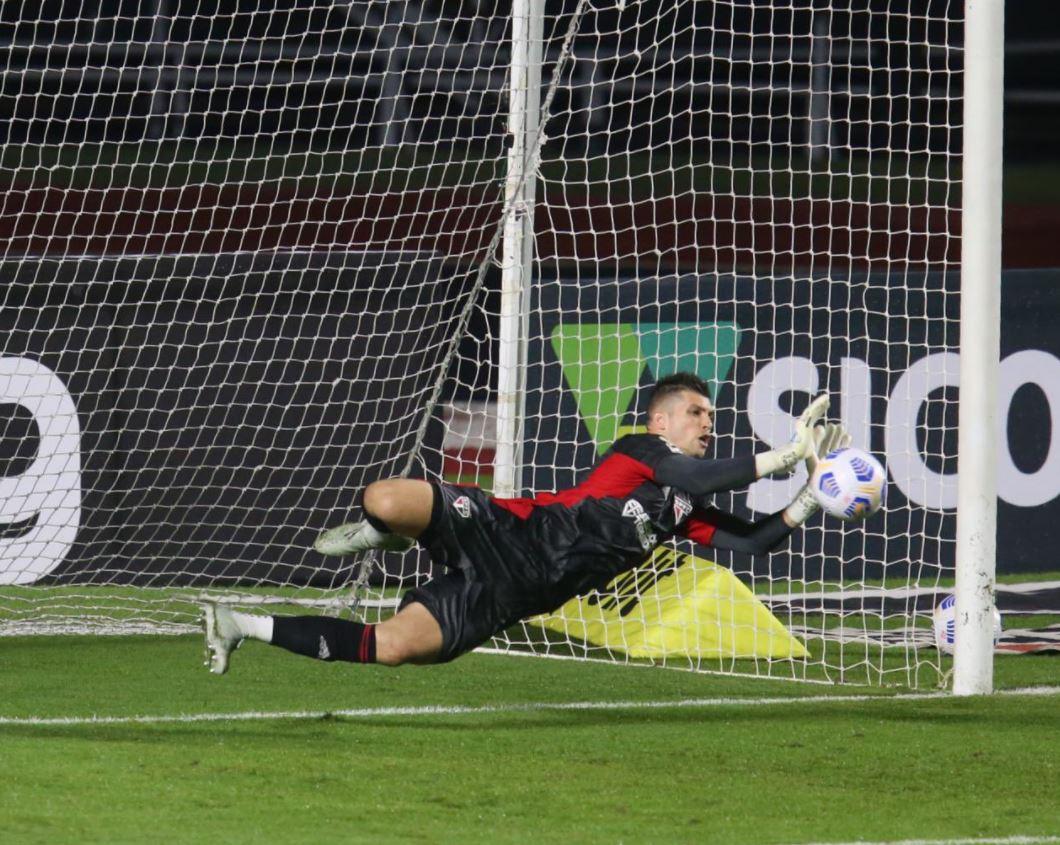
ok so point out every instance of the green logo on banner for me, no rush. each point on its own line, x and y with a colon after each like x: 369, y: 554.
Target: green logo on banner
x: 604, y: 364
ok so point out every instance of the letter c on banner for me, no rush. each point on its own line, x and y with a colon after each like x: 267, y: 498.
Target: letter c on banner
x: 1030, y: 366
x: 47, y: 496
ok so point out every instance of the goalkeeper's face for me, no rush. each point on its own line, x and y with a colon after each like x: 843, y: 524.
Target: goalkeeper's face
x: 687, y: 421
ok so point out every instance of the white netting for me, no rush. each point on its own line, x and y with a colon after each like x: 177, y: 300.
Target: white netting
x: 768, y: 195
x: 243, y: 240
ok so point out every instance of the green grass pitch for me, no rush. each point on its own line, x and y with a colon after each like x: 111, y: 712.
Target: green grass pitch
x: 501, y: 758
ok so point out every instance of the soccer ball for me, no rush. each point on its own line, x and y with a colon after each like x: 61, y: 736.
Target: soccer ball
x: 945, y: 621
x: 849, y: 484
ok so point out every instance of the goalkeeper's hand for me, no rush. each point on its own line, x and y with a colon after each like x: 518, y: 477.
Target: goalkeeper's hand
x: 801, y: 508
x: 826, y: 438
x: 786, y: 457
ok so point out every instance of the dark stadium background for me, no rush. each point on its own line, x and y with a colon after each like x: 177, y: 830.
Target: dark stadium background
x: 106, y: 110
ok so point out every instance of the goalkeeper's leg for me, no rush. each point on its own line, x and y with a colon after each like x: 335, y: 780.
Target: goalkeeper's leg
x: 410, y: 636
x: 396, y: 512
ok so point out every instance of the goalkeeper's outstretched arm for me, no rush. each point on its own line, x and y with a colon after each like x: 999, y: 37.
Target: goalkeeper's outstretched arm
x: 700, y: 477
x: 704, y: 477
x: 767, y: 534
x: 753, y: 538
x: 763, y: 535
x: 801, y: 446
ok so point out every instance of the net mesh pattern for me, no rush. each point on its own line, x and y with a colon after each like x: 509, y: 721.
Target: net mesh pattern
x: 252, y: 262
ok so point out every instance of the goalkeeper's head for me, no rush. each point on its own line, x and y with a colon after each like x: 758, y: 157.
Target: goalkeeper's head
x: 681, y: 411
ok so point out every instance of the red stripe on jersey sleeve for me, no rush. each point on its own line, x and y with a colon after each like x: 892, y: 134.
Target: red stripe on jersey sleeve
x: 698, y: 530
x: 522, y: 508
x: 616, y: 477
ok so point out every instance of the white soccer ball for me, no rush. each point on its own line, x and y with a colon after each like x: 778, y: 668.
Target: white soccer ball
x: 849, y: 484
x: 945, y: 622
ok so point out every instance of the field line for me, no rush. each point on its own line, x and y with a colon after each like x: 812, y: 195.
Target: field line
x: 988, y: 840
x: 489, y: 709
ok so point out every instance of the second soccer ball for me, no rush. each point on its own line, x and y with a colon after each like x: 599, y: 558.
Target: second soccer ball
x: 849, y: 484
x: 944, y: 620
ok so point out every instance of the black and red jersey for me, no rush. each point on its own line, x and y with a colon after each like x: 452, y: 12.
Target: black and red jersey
x: 522, y: 557
x: 626, y: 475
x: 540, y: 551
x: 528, y: 556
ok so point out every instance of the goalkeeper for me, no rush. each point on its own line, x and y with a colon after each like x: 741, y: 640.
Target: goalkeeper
x: 503, y: 560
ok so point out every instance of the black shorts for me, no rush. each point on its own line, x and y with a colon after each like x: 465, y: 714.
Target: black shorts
x: 485, y: 589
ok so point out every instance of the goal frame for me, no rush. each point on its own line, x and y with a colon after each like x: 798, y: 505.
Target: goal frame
x: 823, y: 173
x: 980, y: 313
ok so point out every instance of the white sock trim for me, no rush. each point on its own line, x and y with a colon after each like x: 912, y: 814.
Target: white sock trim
x: 254, y: 626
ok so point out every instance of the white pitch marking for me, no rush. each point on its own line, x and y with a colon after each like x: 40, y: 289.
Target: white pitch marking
x: 1005, y: 840
x: 490, y: 709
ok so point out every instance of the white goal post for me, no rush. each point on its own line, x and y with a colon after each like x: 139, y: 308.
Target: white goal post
x: 980, y: 428
x: 256, y: 261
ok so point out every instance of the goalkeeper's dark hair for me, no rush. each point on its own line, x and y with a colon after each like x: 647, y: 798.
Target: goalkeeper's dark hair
x: 674, y: 384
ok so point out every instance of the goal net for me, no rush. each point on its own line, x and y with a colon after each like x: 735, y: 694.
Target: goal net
x: 256, y: 259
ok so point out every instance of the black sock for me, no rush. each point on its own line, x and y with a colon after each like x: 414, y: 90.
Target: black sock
x: 377, y: 523
x: 325, y: 638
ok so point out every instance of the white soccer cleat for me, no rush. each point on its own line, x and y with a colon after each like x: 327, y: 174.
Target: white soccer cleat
x: 222, y: 636
x: 354, y: 537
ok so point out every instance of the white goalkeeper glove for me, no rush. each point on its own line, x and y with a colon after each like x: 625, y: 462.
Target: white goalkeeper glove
x: 802, y: 507
x: 786, y: 457
x: 826, y: 438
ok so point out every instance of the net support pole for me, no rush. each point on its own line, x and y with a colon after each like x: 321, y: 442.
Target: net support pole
x: 819, y: 109
x: 984, y: 49
x: 517, y: 250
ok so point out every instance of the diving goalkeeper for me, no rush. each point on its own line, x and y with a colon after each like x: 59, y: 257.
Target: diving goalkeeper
x: 504, y: 560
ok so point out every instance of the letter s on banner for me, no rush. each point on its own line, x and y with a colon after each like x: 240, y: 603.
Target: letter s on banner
x: 47, y: 496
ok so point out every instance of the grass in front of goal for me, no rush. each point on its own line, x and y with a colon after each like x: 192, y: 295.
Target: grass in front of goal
x: 77, y: 609
x: 501, y: 749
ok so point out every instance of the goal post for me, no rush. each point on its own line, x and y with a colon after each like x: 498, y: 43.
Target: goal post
x: 524, y: 121
x: 980, y: 427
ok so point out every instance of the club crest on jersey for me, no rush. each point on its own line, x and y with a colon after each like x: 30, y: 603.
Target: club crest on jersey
x: 682, y: 507
x: 462, y: 505
x: 642, y: 524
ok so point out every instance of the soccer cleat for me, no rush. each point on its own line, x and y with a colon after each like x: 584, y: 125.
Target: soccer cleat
x: 353, y: 537
x: 222, y: 636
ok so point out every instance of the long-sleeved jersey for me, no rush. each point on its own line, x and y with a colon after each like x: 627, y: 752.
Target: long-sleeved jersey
x: 509, y: 559
x: 643, y: 491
